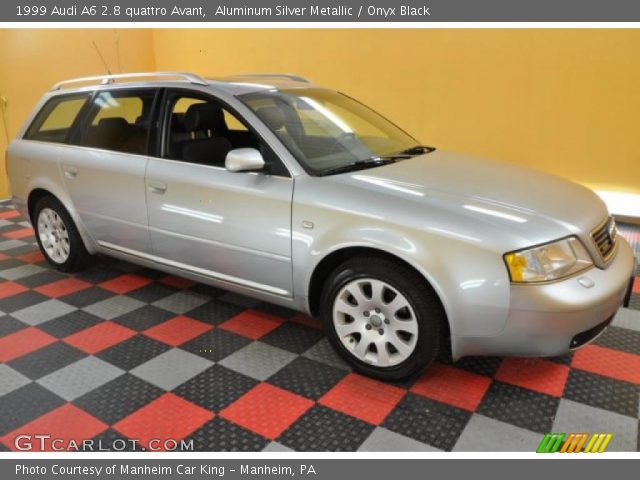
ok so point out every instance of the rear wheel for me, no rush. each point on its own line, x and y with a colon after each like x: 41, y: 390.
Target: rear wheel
x: 58, y: 236
x: 382, y: 317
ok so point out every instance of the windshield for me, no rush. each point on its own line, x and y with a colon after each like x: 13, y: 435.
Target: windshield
x: 328, y: 132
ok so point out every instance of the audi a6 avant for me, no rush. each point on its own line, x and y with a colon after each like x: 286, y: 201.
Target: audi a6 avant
x: 272, y: 187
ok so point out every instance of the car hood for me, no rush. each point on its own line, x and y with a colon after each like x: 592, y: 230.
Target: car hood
x: 534, y: 206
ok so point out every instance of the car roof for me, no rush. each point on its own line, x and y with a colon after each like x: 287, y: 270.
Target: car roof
x: 232, y: 85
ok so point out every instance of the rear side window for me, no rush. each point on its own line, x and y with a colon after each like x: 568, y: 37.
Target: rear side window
x: 119, y: 120
x: 53, y: 122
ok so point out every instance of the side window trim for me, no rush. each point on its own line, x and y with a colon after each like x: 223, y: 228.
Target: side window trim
x: 40, y: 121
x: 165, y: 114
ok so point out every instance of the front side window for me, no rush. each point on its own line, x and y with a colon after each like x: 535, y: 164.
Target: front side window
x: 53, y: 122
x: 327, y: 131
x: 120, y: 121
x: 201, y: 130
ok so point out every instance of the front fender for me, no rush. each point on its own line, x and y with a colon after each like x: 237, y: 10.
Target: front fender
x: 472, y: 282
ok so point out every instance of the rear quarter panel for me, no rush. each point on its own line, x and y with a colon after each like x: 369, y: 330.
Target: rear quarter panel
x: 35, y: 165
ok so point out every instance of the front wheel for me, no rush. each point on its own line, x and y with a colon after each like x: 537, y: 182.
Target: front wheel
x: 382, y: 317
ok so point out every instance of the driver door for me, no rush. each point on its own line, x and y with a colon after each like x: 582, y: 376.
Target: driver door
x: 234, y: 227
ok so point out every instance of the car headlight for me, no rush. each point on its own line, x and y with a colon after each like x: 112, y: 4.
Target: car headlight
x: 548, y: 262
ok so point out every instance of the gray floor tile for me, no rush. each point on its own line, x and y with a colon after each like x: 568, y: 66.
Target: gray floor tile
x: 323, y: 352
x: 258, y: 360
x: 578, y: 417
x: 9, y: 244
x: 276, y: 447
x: 627, y: 318
x: 10, y: 380
x: 484, y: 434
x: 383, y: 440
x: 43, y: 312
x: 113, y: 307
x: 171, y: 368
x: 183, y: 301
x: 80, y: 377
x: 22, y: 271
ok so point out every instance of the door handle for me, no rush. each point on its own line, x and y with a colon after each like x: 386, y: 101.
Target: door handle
x: 157, y: 187
x: 69, y: 171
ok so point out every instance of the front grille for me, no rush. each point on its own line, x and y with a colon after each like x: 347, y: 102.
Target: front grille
x: 605, y: 237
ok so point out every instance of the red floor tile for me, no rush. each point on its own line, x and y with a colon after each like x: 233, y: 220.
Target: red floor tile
x: 99, y: 337
x: 267, y: 410
x: 22, y: 342
x: 636, y: 285
x: 9, y: 214
x: 65, y: 424
x: 611, y: 363
x: 178, y: 330
x: 7, y: 289
x: 363, y: 398
x: 535, y: 374
x: 21, y: 233
x: 452, y: 386
x: 306, y: 320
x: 167, y: 417
x: 32, y: 257
x: 252, y: 324
x: 62, y: 287
x: 177, y: 282
x: 125, y: 283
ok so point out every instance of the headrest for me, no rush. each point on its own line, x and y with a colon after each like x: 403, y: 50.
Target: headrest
x: 204, y: 116
x: 143, y: 121
x: 272, y: 116
x: 177, y: 123
x: 114, y: 123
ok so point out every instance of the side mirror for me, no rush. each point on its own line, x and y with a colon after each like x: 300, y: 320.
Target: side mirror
x: 244, y: 160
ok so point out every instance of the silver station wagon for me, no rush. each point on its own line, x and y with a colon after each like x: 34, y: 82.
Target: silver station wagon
x: 272, y: 187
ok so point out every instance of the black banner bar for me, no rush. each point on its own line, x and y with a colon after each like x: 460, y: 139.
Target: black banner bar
x: 319, y: 11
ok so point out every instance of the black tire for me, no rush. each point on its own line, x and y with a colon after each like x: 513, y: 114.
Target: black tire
x: 78, y: 258
x: 424, y: 301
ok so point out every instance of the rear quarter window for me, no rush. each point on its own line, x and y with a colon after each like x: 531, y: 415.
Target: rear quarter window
x: 54, y: 120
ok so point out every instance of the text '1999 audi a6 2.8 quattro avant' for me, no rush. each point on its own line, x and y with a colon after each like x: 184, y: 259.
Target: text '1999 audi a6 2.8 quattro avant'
x: 291, y: 193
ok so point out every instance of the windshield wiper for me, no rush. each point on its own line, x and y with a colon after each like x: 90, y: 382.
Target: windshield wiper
x: 417, y: 150
x: 363, y: 164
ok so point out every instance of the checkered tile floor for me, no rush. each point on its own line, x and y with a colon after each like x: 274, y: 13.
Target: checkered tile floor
x: 121, y: 352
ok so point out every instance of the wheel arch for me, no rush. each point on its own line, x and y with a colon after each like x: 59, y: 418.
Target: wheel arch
x: 36, y: 193
x: 332, y: 260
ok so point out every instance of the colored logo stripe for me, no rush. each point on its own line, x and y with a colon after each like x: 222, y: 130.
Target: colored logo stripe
x: 598, y: 443
x: 550, y: 443
x: 574, y: 443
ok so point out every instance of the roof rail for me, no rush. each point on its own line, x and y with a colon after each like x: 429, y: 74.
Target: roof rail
x: 108, y: 79
x: 289, y: 76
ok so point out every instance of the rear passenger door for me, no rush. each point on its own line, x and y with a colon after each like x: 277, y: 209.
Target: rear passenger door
x: 104, y: 168
x: 233, y: 227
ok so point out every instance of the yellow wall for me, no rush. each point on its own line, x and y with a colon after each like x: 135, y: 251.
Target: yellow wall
x: 565, y: 101
x: 31, y: 61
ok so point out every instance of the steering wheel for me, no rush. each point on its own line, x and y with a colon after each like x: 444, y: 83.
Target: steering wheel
x: 340, y: 139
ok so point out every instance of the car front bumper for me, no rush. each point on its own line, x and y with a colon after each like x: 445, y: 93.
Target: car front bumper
x: 551, y: 319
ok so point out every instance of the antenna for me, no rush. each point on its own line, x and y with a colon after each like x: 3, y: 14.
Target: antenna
x: 118, y: 51
x: 104, y: 62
